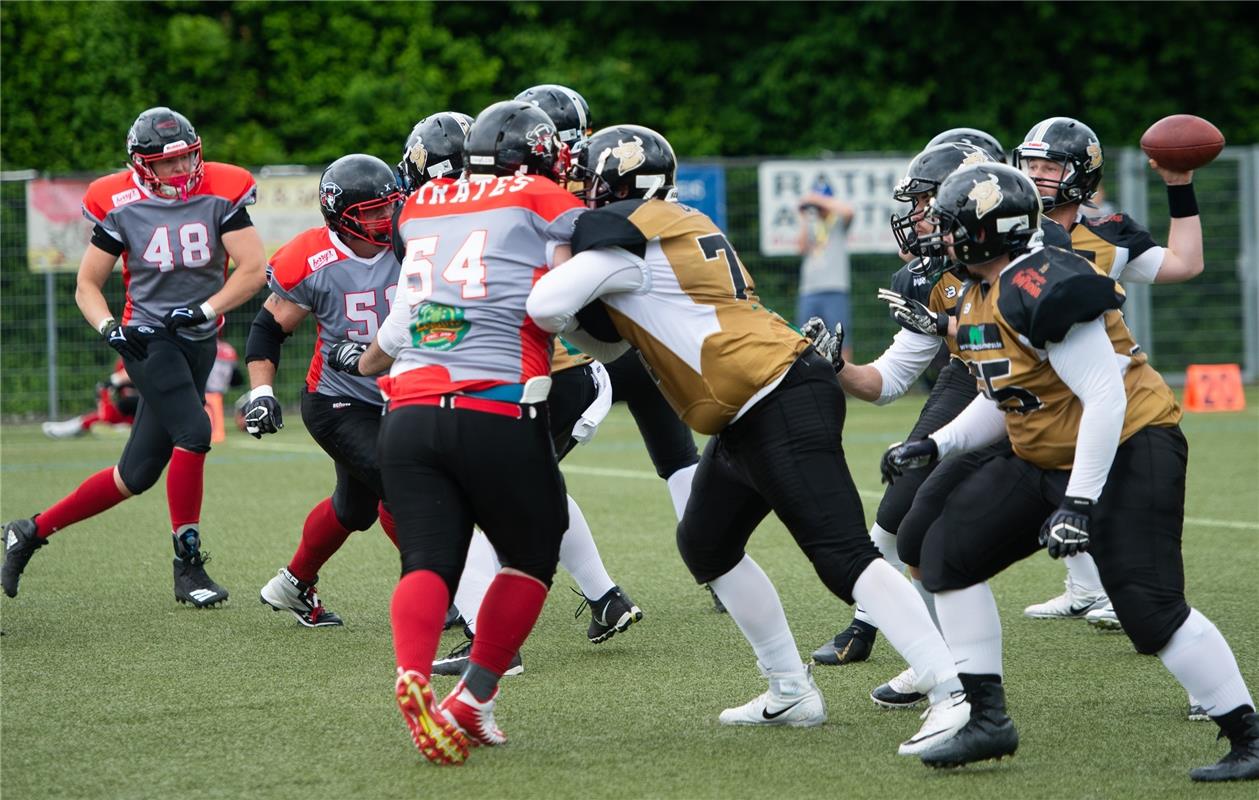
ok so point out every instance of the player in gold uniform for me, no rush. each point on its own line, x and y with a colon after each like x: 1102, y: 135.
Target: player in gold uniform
x: 1060, y: 375
x: 662, y: 277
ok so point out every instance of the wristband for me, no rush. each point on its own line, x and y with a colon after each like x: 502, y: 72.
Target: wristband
x: 1181, y: 201
x: 104, y: 325
x: 261, y: 391
x: 209, y: 311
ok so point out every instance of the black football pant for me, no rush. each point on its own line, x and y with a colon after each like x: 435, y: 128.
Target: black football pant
x: 669, y: 442
x: 785, y: 454
x: 572, y: 392
x: 446, y: 470
x: 993, y: 518
x: 347, y: 430
x: 171, y: 411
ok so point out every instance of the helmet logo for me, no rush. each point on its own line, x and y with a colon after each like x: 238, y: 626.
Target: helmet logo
x: 539, y: 139
x: 986, y: 196
x: 328, y: 194
x: 975, y: 157
x: 418, y: 155
x: 629, y: 155
x: 1094, y: 151
x: 463, y: 124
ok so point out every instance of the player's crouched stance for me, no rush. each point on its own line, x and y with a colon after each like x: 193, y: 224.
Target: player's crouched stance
x: 1060, y: 373
x: 175, y: 220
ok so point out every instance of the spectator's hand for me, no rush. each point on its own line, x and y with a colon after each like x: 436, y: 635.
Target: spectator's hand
x: 262, y: 413
x: 914, y: 316
x: 344, y: 356
x: 131, y: 341
x: 830, y: 345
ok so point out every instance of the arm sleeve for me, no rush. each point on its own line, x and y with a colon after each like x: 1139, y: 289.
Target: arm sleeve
x: 561, y: 293
x: 395, y: 331
x: 903, y: 362
x: 107, y: 241
x: 597, y: 349
x: 1086, y: 363
x: 1144, y: 268
x: 980, y: 424
x: 238, y: 220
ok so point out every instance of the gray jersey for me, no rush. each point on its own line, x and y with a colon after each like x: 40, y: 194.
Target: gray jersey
x: 473, y: 250
x: 173, y: 251
x: 349, y: 296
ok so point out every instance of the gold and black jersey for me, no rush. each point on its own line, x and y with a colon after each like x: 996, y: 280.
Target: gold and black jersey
x: 1110, y: 242
x: 1002, y: 333
x: 697, y: 321
x: 563, y: 357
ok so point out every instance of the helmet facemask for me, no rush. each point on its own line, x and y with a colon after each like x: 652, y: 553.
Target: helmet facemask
x: 179, y: 185
x: 374, y: 228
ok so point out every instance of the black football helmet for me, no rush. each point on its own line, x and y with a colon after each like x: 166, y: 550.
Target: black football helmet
x: 990, y: 209
x: 1072, y: 144
x: 567, y: 109
x: 972, y: 136
x: 514, y: 137
x: 156, y: 135
x: 627, y: 161
x: 356, y: 184
x: 434, y: 149
x: 923, y: 177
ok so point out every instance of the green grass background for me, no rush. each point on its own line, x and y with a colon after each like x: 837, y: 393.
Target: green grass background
x: 109, y: 689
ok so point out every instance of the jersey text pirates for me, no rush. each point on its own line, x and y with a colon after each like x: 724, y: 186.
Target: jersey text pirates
x: 696, y: 320
x: 1002, y: 333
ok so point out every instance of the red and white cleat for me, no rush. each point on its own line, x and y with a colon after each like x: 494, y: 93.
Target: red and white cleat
x: 440, y: 741
x: 474, y: 717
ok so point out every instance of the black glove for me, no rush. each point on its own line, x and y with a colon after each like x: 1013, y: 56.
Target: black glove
x: 131, y: 341
x: 914, y: 316
x: 1066, y: 532
x: 344, y: 356
x: 908, y: 455
x: 262, y: 413
x: 830, y: 345
x: 184, y: 317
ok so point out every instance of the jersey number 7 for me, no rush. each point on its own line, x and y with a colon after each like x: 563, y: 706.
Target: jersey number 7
x: 716, y: 245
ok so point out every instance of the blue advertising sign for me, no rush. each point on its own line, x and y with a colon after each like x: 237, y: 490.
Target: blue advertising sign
x: 703, y: 187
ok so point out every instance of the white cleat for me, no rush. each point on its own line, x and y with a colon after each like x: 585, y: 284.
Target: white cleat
x: 1074, y: 603
x: 899, y: 692
x: 1104, y: 618
x: 65, y: 429
x: 792, y: 700
x: 941, y: 722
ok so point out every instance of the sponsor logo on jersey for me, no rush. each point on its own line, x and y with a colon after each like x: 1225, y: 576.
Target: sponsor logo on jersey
x: 979, y: 337
x: 950, y: 292
x: 438, y: 327
x: 986, y: 196
x: 1029, y: 280
x: 322, y: 259
x: 129, y: 196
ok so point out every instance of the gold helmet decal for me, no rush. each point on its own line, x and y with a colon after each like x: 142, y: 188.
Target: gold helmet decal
x: 418, y: 155
x: 629, y: 155
x: 976, y: 156
x: 1094, y: 151
x: 986, y: 196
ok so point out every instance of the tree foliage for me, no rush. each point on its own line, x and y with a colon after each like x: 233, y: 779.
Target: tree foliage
x: 275, y: 82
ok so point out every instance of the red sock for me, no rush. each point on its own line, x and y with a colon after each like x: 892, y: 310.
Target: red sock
x: 93, y: 496
x: 386, y: 522
x: 322, y: 535
x: 510, y: 608
x: 185, y: 482
x: 88, y: 420
x: 417, y: 612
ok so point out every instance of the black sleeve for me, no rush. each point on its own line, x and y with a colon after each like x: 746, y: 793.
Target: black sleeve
x: 595, y: 321
x: 399, y: 246
x: 265, y: 338
x: 106, y: 242
x: 1044, y: 298
x: 610, y: 227
x: 238, y: 221
x: 1054, y: 235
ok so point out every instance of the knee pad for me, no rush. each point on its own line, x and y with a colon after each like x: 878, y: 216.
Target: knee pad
x: 354, y: 515
x: 193, y: 435
x: 414, y: 560
x: 704, y: 561
x: 139, y: 475
x: 1152, y: 628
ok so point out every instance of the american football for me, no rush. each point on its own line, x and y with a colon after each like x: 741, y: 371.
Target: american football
x: 1182, y: 142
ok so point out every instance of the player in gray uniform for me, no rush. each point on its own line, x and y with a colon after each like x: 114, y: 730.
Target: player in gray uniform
x: 344, y: 274
x: 175, y: 220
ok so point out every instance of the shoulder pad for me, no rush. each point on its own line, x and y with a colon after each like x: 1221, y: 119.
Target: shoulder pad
x: 907, y: 283
x: 1053, y: 234
x: 105, y: 194
x: 549, y: 199
x: 610, y: 227
x: 230, y: 182
x: 1048, y: 292
x: 302, y: 255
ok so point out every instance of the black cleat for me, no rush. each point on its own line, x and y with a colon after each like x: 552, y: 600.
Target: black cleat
x: 456, y: 661
x: 1241, y: 762
x: 718, y: 606
x: 21, y: 540
x: 851, y: 645
x: 609, y: 615
x: 192, y: 584
x: 453, y: 618
x: 989, y: 734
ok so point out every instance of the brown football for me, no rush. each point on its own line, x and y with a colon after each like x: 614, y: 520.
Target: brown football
x: 1182, y: 142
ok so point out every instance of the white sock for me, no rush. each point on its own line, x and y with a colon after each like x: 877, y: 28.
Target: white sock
x: 1205, y: 666
x: 928, y: 599
x: 753, y: 603
x: 861, y: 615
x: 680, y: 488
x: 478, y: 571
x: 900, y: 614
x: 1082, y: 570
x: 968, y: 617
x: 580, y: 555
x: 886, y: 542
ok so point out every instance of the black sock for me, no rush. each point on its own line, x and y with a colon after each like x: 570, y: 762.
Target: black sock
x: 1233, y: 724
x: 480, y: 681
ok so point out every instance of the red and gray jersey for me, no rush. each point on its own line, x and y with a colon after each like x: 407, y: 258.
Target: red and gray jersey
x: 349, y: 297
x: 472, y: 251
x: 173, y: 251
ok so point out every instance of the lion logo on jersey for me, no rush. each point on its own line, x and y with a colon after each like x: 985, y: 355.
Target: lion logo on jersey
x: 1094, y: 150
x: 328, y: 194
x: 539, y: 139
x: 629, y: 155
x: 986, y: 196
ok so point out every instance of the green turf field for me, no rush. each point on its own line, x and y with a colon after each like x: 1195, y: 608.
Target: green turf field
x: 112, y: 690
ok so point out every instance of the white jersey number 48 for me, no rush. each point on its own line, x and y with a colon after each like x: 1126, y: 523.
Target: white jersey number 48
x: 194, y: 242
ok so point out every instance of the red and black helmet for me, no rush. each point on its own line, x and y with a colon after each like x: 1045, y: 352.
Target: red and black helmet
x: 353, y: 185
